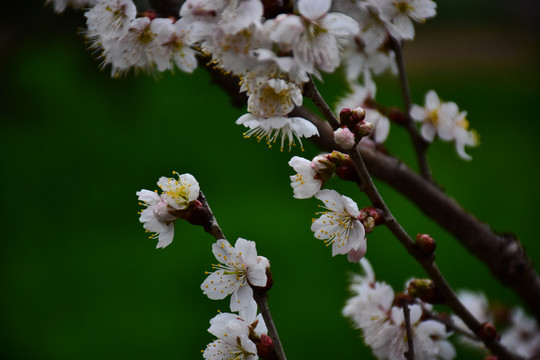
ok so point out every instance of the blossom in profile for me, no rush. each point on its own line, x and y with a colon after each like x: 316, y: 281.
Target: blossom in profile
x: 239, y: 268
x: 339, y: 225
x: 306, y: 182
x: 162, y: 210
x: 288, y: 129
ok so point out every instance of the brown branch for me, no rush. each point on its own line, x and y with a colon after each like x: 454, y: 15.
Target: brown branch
x: 262, y: 302
x: 409, y: 354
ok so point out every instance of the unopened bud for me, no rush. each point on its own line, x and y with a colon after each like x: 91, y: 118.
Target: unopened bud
x: 345, y: 116
x: 426, y: 243
x: 369, y: 224
x: 344, y: 138
x: 376, y: 214
x: 358, y: 114
x: 265, y: 348
x: 425, y: 290
x: 323, y: 166
x: 363, y: 128
x: 487, y: 332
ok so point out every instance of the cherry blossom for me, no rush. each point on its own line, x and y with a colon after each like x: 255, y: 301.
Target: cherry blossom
x: 306, y: 182
x: 339, y: 225
x: 239, y: 267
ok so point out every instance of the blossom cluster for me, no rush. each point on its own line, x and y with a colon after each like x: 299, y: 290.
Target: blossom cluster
x: 382, y: 323
x: 273, y: 49
x: 341, y: 224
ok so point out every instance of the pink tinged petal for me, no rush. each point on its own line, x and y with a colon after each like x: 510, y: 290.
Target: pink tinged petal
x: 314, y: 9
x: 340, y: 25
x: 355, y: 256
x: 165, y: 237
x: 241, y: 298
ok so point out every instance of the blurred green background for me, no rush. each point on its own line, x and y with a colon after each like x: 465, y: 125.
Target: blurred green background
x: 80, y: 280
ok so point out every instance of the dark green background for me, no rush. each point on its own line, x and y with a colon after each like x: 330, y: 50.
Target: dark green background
x: 79, y: 278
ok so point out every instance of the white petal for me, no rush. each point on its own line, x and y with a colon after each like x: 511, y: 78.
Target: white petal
x: 314, y: 9
x: 241, y: 298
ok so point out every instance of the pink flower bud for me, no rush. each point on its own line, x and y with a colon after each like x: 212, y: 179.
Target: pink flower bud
x: 358, y: 114
x: 344, y: 138
x: 426, y: 243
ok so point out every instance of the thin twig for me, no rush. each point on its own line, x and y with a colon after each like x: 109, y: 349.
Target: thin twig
x: 211, y: 226
x: 409, y: 354
x: 312, y: 93
x: 420, y: 145
x: 262, y: 302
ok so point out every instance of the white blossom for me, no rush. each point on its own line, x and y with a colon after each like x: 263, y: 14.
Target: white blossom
x: 238, y: 268
x: 109, y: 19
x: 399, y: 14
x: 316, y: 35
x: 339, y: 225
x: 232, y: 341
x: 523, y: 335
x: 306, y: 182
x: 163, y: 210
x: 172, y: 45
x: 156, y: 217
x: 273, y: 128
x: 179, y: 193
x: 443, y: 119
